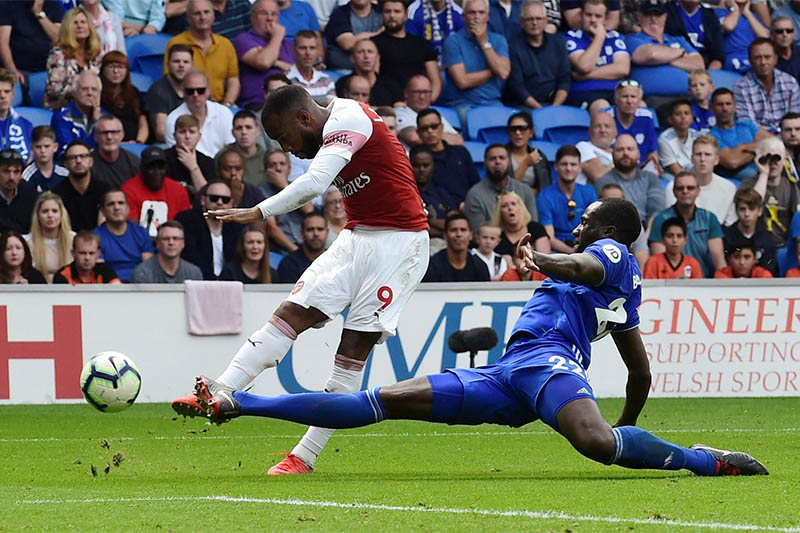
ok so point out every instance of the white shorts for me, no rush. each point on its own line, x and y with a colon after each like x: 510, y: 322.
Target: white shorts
x: 371, y: 271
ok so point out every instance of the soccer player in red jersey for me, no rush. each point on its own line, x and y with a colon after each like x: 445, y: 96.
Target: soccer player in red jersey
x: 373, y: 266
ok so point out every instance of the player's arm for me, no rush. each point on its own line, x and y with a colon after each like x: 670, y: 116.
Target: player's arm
x: 631, y: 349
x: 581, y: 268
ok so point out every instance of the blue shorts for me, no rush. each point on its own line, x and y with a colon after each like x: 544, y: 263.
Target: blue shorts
x: 541, y: 380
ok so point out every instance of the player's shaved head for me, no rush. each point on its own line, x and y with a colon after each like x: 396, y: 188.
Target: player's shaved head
x: 291, y: 117
x: 285, y: 99
x: 622, y: 215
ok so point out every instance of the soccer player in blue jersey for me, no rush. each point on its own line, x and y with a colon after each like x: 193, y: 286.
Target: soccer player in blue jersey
x: 542, y: 375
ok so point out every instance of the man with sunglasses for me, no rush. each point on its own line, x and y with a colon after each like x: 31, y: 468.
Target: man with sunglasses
x: 562, y: 204
x: 216, y: 120
x: 790, y: 10
x: 782, y: 34
x: 704, y: 232
x: 209, y: 242
x: 634, y: 120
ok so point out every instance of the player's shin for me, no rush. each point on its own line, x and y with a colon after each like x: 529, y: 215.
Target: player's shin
x: 346, y: 377
x: 263, y: 349
x: 636, y: 448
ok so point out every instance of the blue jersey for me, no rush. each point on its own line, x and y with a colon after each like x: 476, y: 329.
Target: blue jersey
x: 573, y: 316
x: 578, y: 41
x: 643, y: 129
x: 704, y: 119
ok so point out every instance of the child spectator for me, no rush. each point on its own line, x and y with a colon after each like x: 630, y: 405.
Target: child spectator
x: 15, y: 130
x: 488, y: 239
x: 672, y: 263
x: 749, y: 207
x: 700, y: 88
x: 742, y: 259
x: 43, y: 173
x: 795, y: 272
x: 675, y: 143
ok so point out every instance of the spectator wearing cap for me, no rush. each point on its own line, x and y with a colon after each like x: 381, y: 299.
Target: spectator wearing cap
x: 700, y: 26
x: 742, y: 262
x: 216, y: 120
x: 16, y: 199
x: 81, y: 192
x: 765, y: 94
x: 152, y: 196
x: 634, y: 120
x: 653, y: 47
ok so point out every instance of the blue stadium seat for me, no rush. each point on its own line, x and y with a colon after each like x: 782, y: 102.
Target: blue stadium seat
x: 134, y: 148
x: 17, y: 98
x: 36, y: 86
x: 450, y: 114
x: 275, y: 259
x: 663, y: 80
x: 334, y: 75
x: 787, y: 258
x: 476, y: 152
x: 489, y: 123
x: 547, y: 148
x: 36, y: 115
x: 141, y: 81
x: 561, y: 124
x: 724, y: 78
x: 146, y: 53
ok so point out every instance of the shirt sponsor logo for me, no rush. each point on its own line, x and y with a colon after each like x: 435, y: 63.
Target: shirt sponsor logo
x: 353, y: 186
x: 337, y: 138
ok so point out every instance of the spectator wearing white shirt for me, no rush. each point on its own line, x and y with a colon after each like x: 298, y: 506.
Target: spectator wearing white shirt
x: 675, y: 143
x: 596, y: 158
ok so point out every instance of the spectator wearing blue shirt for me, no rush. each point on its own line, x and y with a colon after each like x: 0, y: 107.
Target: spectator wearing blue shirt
x: 476, y: 62
x: 599, y: 57
x: 297, y: 15
x: 122, y: 245
x: 634, y: 120
x: 562, y: 204
x: 434, y: 20
x: 348, y: 25
x: 77, y: 120
x: 737, y: 139
x: 782, y: 33
x: 539, y: 64
x: 652, y: 47
x: 700, y: 88
x: 704, y: 231
x: 741, y: 27
x: 504, y: 17
x: 44, y: 173
x: 15, y: 130
x: 698, y: 25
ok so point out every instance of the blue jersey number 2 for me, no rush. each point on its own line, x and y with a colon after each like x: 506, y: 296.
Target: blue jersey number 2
x: 606, y: 318
x: 562, y: 362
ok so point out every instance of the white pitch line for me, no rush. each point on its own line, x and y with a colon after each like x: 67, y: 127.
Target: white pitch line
x: 535, y: 515
x: 343, y: 435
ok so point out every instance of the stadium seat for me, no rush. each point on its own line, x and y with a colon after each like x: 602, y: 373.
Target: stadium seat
x: 146, y: 53
x: 275, y: 259
x: 561, y: 124
x: 141, y: 81
x: 663, y: 80
x: 36, y: 86
x: 36, y: 115
x: 488, y: 123
x: 476, y: 152
x: 548, y: 149
x: 134, y: 148
x: 334, y: 75
x: 450, y: 114
x: 17, y: 98
x: 786, y: 259
x: 724, y: 78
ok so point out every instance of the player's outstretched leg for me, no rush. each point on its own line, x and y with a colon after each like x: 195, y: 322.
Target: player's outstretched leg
x: 582, y: 424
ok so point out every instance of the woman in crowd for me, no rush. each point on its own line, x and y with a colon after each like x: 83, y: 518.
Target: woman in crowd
x: 333, y: 209
x: 120, y: 98
x: 108, y: 26
x: 50, y: 238
x: 251, y: 259
x: 514, y: 219
x: 76, y: 49
x: 16, y: 265
x: 529, y: 165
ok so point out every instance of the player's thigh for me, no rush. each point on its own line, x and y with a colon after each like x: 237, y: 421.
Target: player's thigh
x: 389, y: 268
x: 488, y: 398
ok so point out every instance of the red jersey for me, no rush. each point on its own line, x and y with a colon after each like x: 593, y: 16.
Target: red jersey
x: 172, y: 197
x: 793, y: 273
x: 659, y: 267
x: 758, y: 272
x: 377, y: 185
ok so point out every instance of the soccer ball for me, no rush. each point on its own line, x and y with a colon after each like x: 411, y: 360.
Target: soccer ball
x: 110, y: 382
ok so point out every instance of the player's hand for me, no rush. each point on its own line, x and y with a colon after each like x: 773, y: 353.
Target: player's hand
x: 242, y: 216
x: 525, y: 254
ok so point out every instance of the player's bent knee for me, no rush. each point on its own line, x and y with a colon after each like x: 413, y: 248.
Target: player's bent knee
x: 596, y: 443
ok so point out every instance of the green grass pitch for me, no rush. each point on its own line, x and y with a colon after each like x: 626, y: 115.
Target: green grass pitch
x: 69, y: 467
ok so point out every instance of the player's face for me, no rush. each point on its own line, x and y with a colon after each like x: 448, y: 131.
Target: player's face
x: 704, y: 158
x: 6, y: 94
x: 747, y: 215
x: 115, y: 207
x: 14, y: 254
x: 245, y: 131
x: 295, y: 133
x: 790, y: 132
x: 423, y: 168
x: 254, y: 245
x: 85, y: 254
x: 700, y: 88
x: 593, y: 16
x: 49, y: 215
x: 458, y: 235
x: 628, y: 99
x: 681, y: 117
x: 743, y: 261
x: 673, y: 240
x: 686, y: 190
x: 315, y: 233
x: 44, y: 149
x: 169, y: 243
x: 588, y: 231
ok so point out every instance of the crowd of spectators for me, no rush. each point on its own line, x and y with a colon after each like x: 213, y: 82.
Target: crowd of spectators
x: 717, y: 187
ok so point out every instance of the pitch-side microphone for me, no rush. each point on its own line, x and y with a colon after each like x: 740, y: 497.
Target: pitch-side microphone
x: 472, y: 341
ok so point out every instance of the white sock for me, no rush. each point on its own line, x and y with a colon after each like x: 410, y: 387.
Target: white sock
x: 346, y: 377
x: 263, y: 349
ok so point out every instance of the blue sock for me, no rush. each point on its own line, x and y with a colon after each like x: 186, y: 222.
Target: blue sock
x: 636, y: 448
x: 320, y: 409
